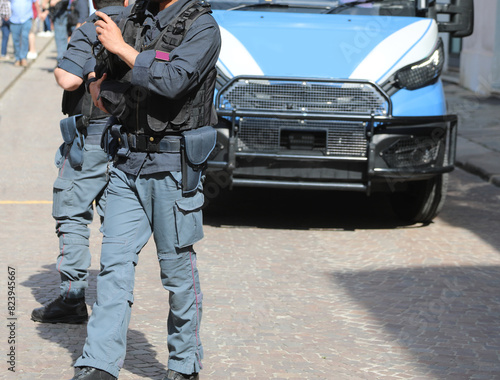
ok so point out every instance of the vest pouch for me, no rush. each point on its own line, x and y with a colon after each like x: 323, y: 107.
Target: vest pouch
x: 163, y: 113
x: 196, y: 145
x: 72, y: 101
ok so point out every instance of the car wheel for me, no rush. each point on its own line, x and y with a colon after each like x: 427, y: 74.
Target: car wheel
x: 422, y: 201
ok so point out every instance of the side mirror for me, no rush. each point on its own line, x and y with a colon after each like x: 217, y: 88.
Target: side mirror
x: 461, y: 13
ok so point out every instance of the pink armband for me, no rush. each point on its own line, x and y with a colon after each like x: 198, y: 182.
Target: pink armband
x: 163, y: 56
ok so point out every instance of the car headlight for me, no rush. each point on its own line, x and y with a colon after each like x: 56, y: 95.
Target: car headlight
x: 424, y: 72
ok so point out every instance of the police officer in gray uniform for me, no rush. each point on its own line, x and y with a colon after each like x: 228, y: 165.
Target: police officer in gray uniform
x: 82, y: 175
x: 161, y: 92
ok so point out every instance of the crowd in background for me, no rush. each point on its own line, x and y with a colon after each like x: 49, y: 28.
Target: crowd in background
x: 22, y: 20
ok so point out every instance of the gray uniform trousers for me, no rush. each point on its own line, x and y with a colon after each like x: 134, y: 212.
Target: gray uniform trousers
x: 137, y: 207
x: 74, y: 193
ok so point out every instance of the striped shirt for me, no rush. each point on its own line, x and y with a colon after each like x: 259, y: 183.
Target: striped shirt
x: 5, y: 11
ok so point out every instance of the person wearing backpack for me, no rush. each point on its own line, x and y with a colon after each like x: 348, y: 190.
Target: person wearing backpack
x: 78, y: 11
x: 58, y: 13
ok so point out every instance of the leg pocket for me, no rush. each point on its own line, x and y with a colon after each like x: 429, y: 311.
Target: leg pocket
x: 62, y: 197
x: 188, y: 220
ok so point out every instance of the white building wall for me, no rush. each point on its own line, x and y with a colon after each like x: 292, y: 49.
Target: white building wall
x: 480, y: 56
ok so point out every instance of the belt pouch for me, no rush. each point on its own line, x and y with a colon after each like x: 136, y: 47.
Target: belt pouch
x: 73, y: 138
x: 68, y: 128
x: 197, y: 144
x: 75, y: 156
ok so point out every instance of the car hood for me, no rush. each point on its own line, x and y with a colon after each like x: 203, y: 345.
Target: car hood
x: 320, y: 45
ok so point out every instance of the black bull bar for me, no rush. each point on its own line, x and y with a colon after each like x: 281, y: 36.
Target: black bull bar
x: 375, y: 125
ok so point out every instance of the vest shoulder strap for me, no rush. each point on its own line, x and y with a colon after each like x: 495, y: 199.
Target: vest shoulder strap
x: 174, y: 32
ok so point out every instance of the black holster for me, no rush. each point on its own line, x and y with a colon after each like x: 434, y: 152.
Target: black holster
x: 114, y: 140
x: 196, y: 146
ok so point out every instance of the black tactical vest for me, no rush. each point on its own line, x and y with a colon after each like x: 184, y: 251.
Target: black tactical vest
x: 148, y: 113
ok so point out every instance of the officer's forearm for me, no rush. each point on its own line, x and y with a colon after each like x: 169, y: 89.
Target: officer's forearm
x: 68, y: 81
x: 127, y: 53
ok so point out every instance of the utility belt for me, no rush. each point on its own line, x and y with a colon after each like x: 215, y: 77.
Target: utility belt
x: 76, y: 132
x: 150, y: 144
x: 194, y: 146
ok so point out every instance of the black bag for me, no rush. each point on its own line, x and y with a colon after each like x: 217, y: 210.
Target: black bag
x: 58, y: 9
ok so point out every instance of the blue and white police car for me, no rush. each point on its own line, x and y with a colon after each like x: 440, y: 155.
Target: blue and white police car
x: 340, y: 95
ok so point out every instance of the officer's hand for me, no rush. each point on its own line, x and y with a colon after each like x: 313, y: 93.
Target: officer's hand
x: 95, y: 91
x: 111, y: 38
x: 108, y: 33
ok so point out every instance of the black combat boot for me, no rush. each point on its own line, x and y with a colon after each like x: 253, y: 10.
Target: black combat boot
x: 172, y: 375
x: 90, y: 373
x: 62, y: 310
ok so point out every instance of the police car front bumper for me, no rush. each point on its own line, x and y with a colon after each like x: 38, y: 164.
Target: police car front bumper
x: 396, y: 148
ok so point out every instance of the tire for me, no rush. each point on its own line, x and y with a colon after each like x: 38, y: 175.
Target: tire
x: 215, y: 187
x: 422, y: 201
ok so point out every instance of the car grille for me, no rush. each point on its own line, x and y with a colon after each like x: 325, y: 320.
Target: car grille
x: 304, y: 96
x: 345, y: 139
x: 279, y: 96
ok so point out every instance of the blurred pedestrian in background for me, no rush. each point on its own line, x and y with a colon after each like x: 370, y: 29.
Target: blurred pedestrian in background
x: 32, y: 53
x: 5, y: 13
x: 78, y: 12
x: 58, y: 12
x: 20, y: 26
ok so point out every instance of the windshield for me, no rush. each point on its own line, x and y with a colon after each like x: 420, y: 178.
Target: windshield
x: 360, y: 7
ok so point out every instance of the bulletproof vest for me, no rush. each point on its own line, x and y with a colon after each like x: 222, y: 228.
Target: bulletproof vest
x: 151, y: 114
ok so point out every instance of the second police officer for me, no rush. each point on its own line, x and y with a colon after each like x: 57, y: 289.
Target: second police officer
x: 82, y: 174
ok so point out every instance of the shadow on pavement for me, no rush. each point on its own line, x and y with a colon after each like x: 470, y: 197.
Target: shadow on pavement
x: 445, y: 317
x: 473, y: 206
x: 44, y: 286
x: 301, y: 209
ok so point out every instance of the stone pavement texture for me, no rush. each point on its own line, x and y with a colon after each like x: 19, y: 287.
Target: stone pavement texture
x: 289, y: 292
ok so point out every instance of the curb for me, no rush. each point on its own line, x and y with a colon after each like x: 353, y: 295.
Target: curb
x: 478, y: 160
